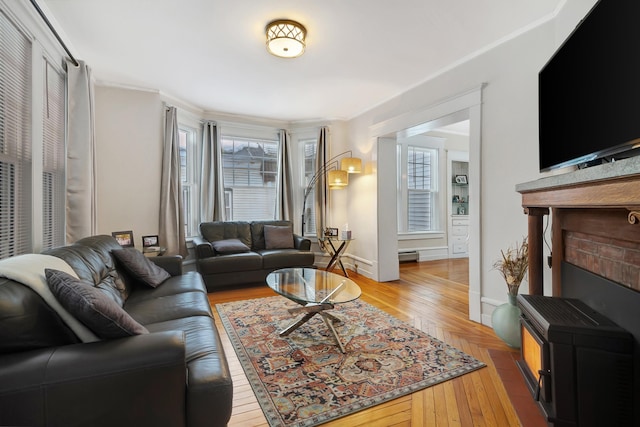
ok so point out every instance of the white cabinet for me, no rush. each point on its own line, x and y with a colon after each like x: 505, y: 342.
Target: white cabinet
x: 459, y: 238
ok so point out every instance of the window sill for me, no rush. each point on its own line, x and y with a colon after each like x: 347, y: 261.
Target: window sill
x: 423, y: 235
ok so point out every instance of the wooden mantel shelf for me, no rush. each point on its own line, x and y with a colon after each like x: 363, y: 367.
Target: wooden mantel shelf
x: 601, y: 188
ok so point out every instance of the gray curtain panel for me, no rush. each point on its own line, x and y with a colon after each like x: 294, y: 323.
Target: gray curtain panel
x: 211, y: 178
x: 81, y: 215
x: 172, y: 231
x: 284, y: 188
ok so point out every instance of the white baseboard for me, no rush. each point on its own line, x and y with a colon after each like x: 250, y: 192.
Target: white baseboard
x: 433, y: 254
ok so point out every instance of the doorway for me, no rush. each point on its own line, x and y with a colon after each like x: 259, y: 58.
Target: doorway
x: 466, y: 106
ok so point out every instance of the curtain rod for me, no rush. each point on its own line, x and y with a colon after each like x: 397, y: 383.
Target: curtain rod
x: 55, y: 33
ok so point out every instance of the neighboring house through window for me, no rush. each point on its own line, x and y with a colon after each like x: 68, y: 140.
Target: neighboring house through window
x: 250, y: 172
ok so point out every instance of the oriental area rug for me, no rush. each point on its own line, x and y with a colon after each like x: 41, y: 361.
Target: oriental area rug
x: 304, y: 379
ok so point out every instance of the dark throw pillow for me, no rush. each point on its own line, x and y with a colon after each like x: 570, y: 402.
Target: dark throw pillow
x: 229, y: 246
x: 278, y: 237
x: 92, y: 307
x: 140, y: 267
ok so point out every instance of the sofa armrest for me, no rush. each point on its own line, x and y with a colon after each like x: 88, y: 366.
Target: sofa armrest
x: 171, y: 263
x: 204, y: 248
x: 133, y: 381
x: 301, y: 243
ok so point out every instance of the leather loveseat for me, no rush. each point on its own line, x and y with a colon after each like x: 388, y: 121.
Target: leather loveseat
x: 174, y: 373
x: 238, y: 252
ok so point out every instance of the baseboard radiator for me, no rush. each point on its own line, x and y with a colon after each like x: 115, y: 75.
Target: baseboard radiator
x: 408, y: 256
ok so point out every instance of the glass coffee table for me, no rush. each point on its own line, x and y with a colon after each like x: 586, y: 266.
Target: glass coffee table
x: 316, y: 291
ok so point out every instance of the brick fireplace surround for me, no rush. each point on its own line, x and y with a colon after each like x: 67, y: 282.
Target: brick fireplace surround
x: 595, y: 220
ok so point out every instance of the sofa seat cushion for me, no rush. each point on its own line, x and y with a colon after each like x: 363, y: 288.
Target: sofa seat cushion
x: 284, y: 258
x: 230, y: 263
x: 190, y: 281
x: 168, y: 307
x: 199, y: 336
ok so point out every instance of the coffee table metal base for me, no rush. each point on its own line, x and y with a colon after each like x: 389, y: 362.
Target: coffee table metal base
x: 310, y: 310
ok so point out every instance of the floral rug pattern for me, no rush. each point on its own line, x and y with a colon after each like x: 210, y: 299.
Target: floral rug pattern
x: 304, y: 380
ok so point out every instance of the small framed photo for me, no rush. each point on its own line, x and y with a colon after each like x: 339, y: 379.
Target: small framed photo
x: 124, y: 238
x: 149, y: 241
x: 330, y: 232
x: 461, y: 179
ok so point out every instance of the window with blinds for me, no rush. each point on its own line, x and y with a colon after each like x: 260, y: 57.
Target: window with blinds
x: 417, y: 188
x: 420, y: 180
x: 309, y: 171
x: 53, y: 185
x: 15, y: 140
x: 187, y: 137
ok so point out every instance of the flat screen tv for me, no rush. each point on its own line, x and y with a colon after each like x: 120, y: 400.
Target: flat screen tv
x: 589, y: 91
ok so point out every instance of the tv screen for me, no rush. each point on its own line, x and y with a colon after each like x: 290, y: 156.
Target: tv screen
x: 589, y: 91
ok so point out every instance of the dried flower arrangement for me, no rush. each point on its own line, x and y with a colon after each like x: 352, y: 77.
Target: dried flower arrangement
x: 513, y: 265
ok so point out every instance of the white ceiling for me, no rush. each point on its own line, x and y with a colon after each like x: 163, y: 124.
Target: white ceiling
x: 211, y: 53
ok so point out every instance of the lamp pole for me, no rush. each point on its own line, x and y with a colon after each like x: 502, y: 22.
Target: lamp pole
x: 330, y: 164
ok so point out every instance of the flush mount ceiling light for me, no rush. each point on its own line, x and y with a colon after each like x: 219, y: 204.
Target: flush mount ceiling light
x: 285, y: 38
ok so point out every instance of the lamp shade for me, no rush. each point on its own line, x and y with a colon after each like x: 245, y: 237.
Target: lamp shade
x: 285, y: 38
x: 351, y: 164
x: 337, y: 179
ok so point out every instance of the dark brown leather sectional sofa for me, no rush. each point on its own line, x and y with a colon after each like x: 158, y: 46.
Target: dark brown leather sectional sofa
x: 176, y: 375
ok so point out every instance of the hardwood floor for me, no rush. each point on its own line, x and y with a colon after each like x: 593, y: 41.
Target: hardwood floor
x: 431, y: 296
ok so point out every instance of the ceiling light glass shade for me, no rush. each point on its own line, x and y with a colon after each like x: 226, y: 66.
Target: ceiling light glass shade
x: 351, y: 164
x: 286, y: 38
x: 337, y: 179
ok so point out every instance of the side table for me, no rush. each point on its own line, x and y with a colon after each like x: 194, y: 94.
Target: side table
x: 337, y: 252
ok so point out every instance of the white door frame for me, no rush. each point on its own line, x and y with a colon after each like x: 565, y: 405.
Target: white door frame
x: 467, y: 105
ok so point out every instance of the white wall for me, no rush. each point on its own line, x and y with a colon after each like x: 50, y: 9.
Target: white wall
x: 509, y: 139
x: 129, y: 128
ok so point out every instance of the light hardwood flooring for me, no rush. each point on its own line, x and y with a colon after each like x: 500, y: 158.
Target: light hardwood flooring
x: 431, y: 296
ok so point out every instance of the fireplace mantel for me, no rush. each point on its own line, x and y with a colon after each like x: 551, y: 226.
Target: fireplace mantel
x: 598, y: 205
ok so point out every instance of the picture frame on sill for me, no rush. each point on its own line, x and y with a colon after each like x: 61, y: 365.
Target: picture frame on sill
x: 330, y: 232
x: 124, y: 238
x: 461, y: 179
x: 150, y: 241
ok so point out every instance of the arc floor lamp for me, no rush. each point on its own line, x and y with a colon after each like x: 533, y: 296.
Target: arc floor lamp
x: 337, y: 173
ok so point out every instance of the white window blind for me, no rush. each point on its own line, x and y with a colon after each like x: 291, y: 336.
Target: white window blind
x: 420, y: 178
x: 53, y: 186
x: 15, y: 140
x: 417, y: 188
x: 309, y: 172
x: 187, y: 138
